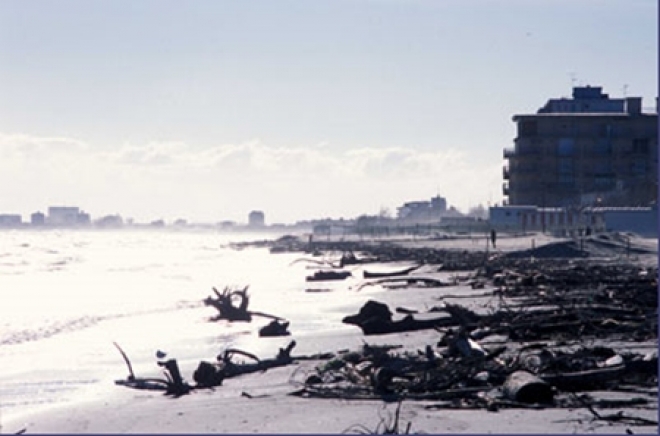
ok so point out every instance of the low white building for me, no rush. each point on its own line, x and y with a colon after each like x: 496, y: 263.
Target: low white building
x: 640, y: 220
x: 558, y: 220
x: 567, y: 221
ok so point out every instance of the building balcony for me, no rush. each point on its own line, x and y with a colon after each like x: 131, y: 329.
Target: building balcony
x: 509, y: 152
x: 505, y: 173
x: 505, y: 189
x: 527, y: 170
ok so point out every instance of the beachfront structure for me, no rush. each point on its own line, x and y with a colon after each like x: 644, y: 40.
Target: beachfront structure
x: 640, y: 220
x: 557, y: 220
x: 565, y: 221
x: 590, y: 150
x: 66, y: 216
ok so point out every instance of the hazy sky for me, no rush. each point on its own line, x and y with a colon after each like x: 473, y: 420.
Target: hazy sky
x: 208, y: 109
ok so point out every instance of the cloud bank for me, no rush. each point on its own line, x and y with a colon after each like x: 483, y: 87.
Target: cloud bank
x: 171, y: 180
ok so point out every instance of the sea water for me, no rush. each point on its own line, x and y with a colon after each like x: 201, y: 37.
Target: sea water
x: 68, y: 295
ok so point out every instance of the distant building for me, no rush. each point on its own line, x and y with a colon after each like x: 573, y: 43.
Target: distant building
x: 10, y: 220
x: 422, y: 211
x: 66, y: 216
x: 38, y: 219
x: 256, y: 218
x: 113, y: 221
x: 226, y: 224
x: 590, y: 150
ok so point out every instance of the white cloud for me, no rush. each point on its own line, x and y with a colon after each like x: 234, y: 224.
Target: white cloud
x: 163, y: 153
x: 19, y: 148
x: 172, y: 179
x: 403, y: 162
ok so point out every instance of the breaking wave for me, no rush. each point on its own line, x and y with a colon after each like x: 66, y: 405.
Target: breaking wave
x: 71, y: 325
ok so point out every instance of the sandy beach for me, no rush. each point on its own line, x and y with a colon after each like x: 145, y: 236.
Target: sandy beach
x: 261, y: 402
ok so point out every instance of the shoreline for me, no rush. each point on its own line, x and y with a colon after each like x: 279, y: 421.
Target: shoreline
x: 268, y: 406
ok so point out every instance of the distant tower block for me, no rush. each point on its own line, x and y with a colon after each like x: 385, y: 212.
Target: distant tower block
x: 38, y: 219
x: 256, y: 219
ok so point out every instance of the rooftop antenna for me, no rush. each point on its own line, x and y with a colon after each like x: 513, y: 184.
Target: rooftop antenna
x: 625, y: 90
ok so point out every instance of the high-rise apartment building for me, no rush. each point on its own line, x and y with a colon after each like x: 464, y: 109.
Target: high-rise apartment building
x: 590, y: 150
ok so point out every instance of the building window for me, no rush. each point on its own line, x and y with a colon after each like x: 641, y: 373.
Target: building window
x: 640, y: 146
x: 638, y: 168
x: 527, y: 148
x: 602, y: 147
x: 566, y: 147
x: 565, y: 166
x: 605, y: 130
x: 566, y: 181
x: 602, y: 168
x: 604, y: 181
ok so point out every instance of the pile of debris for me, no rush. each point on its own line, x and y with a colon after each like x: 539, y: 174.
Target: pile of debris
x: 540, y: 316
x: 463, y: 374
x: 532, y: 302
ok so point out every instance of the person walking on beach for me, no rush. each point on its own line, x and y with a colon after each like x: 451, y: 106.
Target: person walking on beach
x: 493, y: 237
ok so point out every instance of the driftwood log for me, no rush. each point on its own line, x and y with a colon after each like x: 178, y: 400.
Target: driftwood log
x: 428, y: 282
x: 374, y: 275
x: 210, y: 374
x: 176, y: 385
x: 322, y: 275
x: 225, y: 303
x: 172, y: 384
x: 347, y: 258
x: 375, y: 318
x: 232, y: 305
